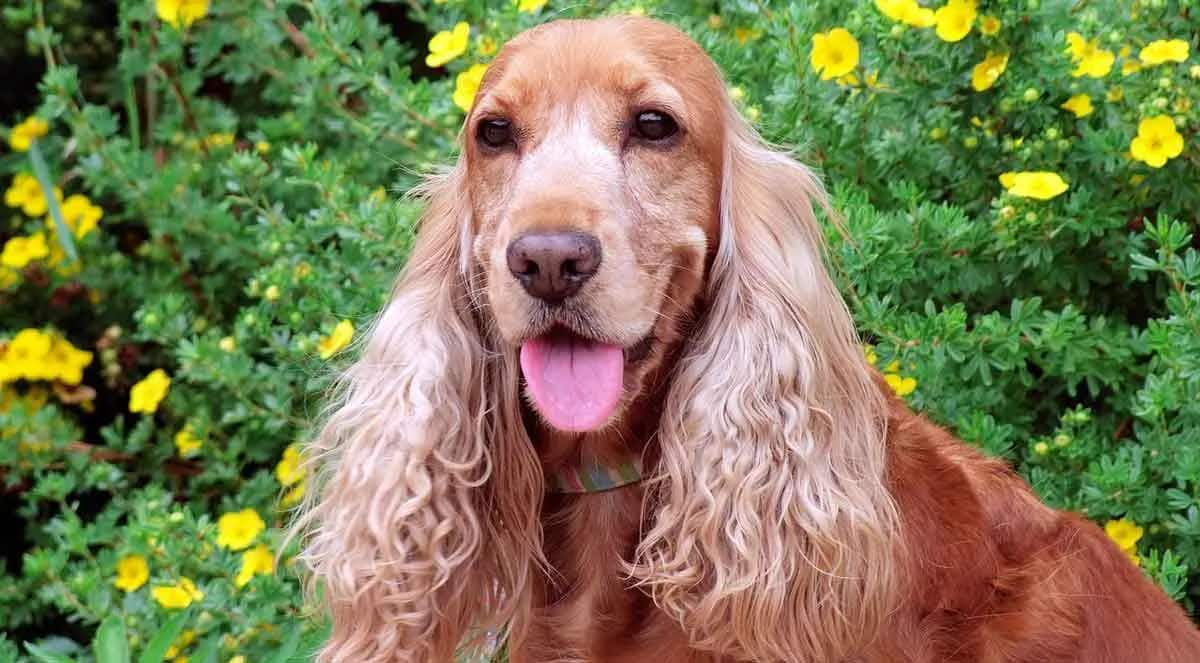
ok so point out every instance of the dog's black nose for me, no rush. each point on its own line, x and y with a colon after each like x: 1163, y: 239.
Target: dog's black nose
x: 553, y: 265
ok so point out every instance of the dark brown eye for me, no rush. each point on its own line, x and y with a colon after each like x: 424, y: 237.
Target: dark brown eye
x: 495, y: 133
x: 654, y: 126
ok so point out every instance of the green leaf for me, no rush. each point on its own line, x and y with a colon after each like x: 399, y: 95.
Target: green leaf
x: 290, y: 644
x: 162, y: 640
x: 45, y: 656
x: 207, y: 651
x: 111, y: 645
x: 43, y: 177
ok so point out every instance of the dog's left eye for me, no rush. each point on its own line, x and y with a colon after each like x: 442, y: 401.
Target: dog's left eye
x: 495, y: 133
x: 654, y: 126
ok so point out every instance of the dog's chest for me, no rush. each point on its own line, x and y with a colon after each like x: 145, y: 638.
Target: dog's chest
x: 588, y: 610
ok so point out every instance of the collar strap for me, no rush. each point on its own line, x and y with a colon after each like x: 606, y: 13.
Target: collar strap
x: 595, y: 477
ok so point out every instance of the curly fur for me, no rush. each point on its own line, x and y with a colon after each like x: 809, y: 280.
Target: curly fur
x: 774, y: 533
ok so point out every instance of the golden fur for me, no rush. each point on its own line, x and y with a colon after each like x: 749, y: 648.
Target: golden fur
x: 793, y: 511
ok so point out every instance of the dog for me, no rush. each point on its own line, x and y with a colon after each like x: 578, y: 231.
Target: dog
x: 616, y: 411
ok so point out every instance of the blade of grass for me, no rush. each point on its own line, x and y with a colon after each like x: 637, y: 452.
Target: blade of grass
x: 43, y: 177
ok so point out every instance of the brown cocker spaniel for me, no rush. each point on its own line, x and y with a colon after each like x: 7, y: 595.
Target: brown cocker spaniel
x: 616, y: 411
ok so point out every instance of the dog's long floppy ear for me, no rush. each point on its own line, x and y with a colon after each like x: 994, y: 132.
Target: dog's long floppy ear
x: 774, y: 533
x: 422, y: 522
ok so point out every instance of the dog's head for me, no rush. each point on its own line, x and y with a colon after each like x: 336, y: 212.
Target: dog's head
x: 593, y: 161
x: 611, y: 222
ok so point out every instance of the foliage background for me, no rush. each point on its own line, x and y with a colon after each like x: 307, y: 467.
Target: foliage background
x: 249, y: 167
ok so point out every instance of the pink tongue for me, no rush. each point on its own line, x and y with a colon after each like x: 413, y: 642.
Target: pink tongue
x: 576, y: 384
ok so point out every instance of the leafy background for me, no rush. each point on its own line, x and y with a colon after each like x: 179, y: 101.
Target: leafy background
x: 249, y: 165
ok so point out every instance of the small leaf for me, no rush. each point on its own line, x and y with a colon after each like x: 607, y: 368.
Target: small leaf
x: 207, y: 651
x: 111, y: 645
x: 45, y: 656
x: 284, y: 653
x: 162, y: 640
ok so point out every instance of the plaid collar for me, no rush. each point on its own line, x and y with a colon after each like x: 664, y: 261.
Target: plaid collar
x: 594, y: 477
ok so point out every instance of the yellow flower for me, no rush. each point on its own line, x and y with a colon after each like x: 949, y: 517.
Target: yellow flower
x: 869, y: 354
x: 181, y: 13
x: 486, y: 46
x: 1089, y: 58
x: 985, y: 74
x: 1115, y: 94
x: 467, y: 84
x: 834, y: 53
x: 1040, y: 185
x: 340, y: 338
x: 954, y: 19
x: 238, y: 529
x: 20, y: 251
x: 80, y: 215
x: 1080, y: 105
x: 186, y: 442
x: 744, y: 35
x: 290, y: 468
x: 1164, y: 50
x: 294, y: 495
x: 23, y: 135
x: 906, y: 11
x: 177, y: 596
x: 65, y: 362
x: 1157, y: 141
x: 227, y: 344
x: 132, y: 573
x: 530, y: 6
x: 902, y: 386
x: 149, y: 392
x: 262, y: 147
x: 26, y: 193
x: 448, y: 44
x: 219, y: 139
x: 25, y: 356
x: 1125, y: 533
x: 184, y: 641
x: 258, y: 559
x: 1130, y: 67
x: 989, y: 25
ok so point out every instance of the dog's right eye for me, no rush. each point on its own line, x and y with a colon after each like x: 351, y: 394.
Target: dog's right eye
x: 495, y: 133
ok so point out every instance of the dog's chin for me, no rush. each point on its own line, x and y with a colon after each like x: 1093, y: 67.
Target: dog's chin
x: 580, y: 384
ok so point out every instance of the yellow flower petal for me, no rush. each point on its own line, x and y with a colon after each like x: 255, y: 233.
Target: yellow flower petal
x: 834, y: 53
x: 337, y: 340
x: 149, y: 392
x: 1162, y: 51
x: 1080, y: 105
x: 132, y: 573
x: 238, y: 529
x: 955, y: 19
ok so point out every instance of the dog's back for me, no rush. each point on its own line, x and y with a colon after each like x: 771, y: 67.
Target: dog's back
x: 995, y: 575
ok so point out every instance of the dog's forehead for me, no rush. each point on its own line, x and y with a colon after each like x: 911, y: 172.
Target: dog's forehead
x: 622, y: 58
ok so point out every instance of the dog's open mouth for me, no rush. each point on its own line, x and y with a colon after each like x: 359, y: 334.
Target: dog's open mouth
x: 576, y: 382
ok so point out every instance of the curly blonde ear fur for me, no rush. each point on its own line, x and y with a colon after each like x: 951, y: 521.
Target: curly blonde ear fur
x: 423, y: 528
x: 773, y: 535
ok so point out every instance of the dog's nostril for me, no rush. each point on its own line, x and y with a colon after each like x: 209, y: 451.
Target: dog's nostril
x: 554, y: 265
x: 531, y: 269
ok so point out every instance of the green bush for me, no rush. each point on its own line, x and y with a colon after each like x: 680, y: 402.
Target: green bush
x: 232, y: 188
